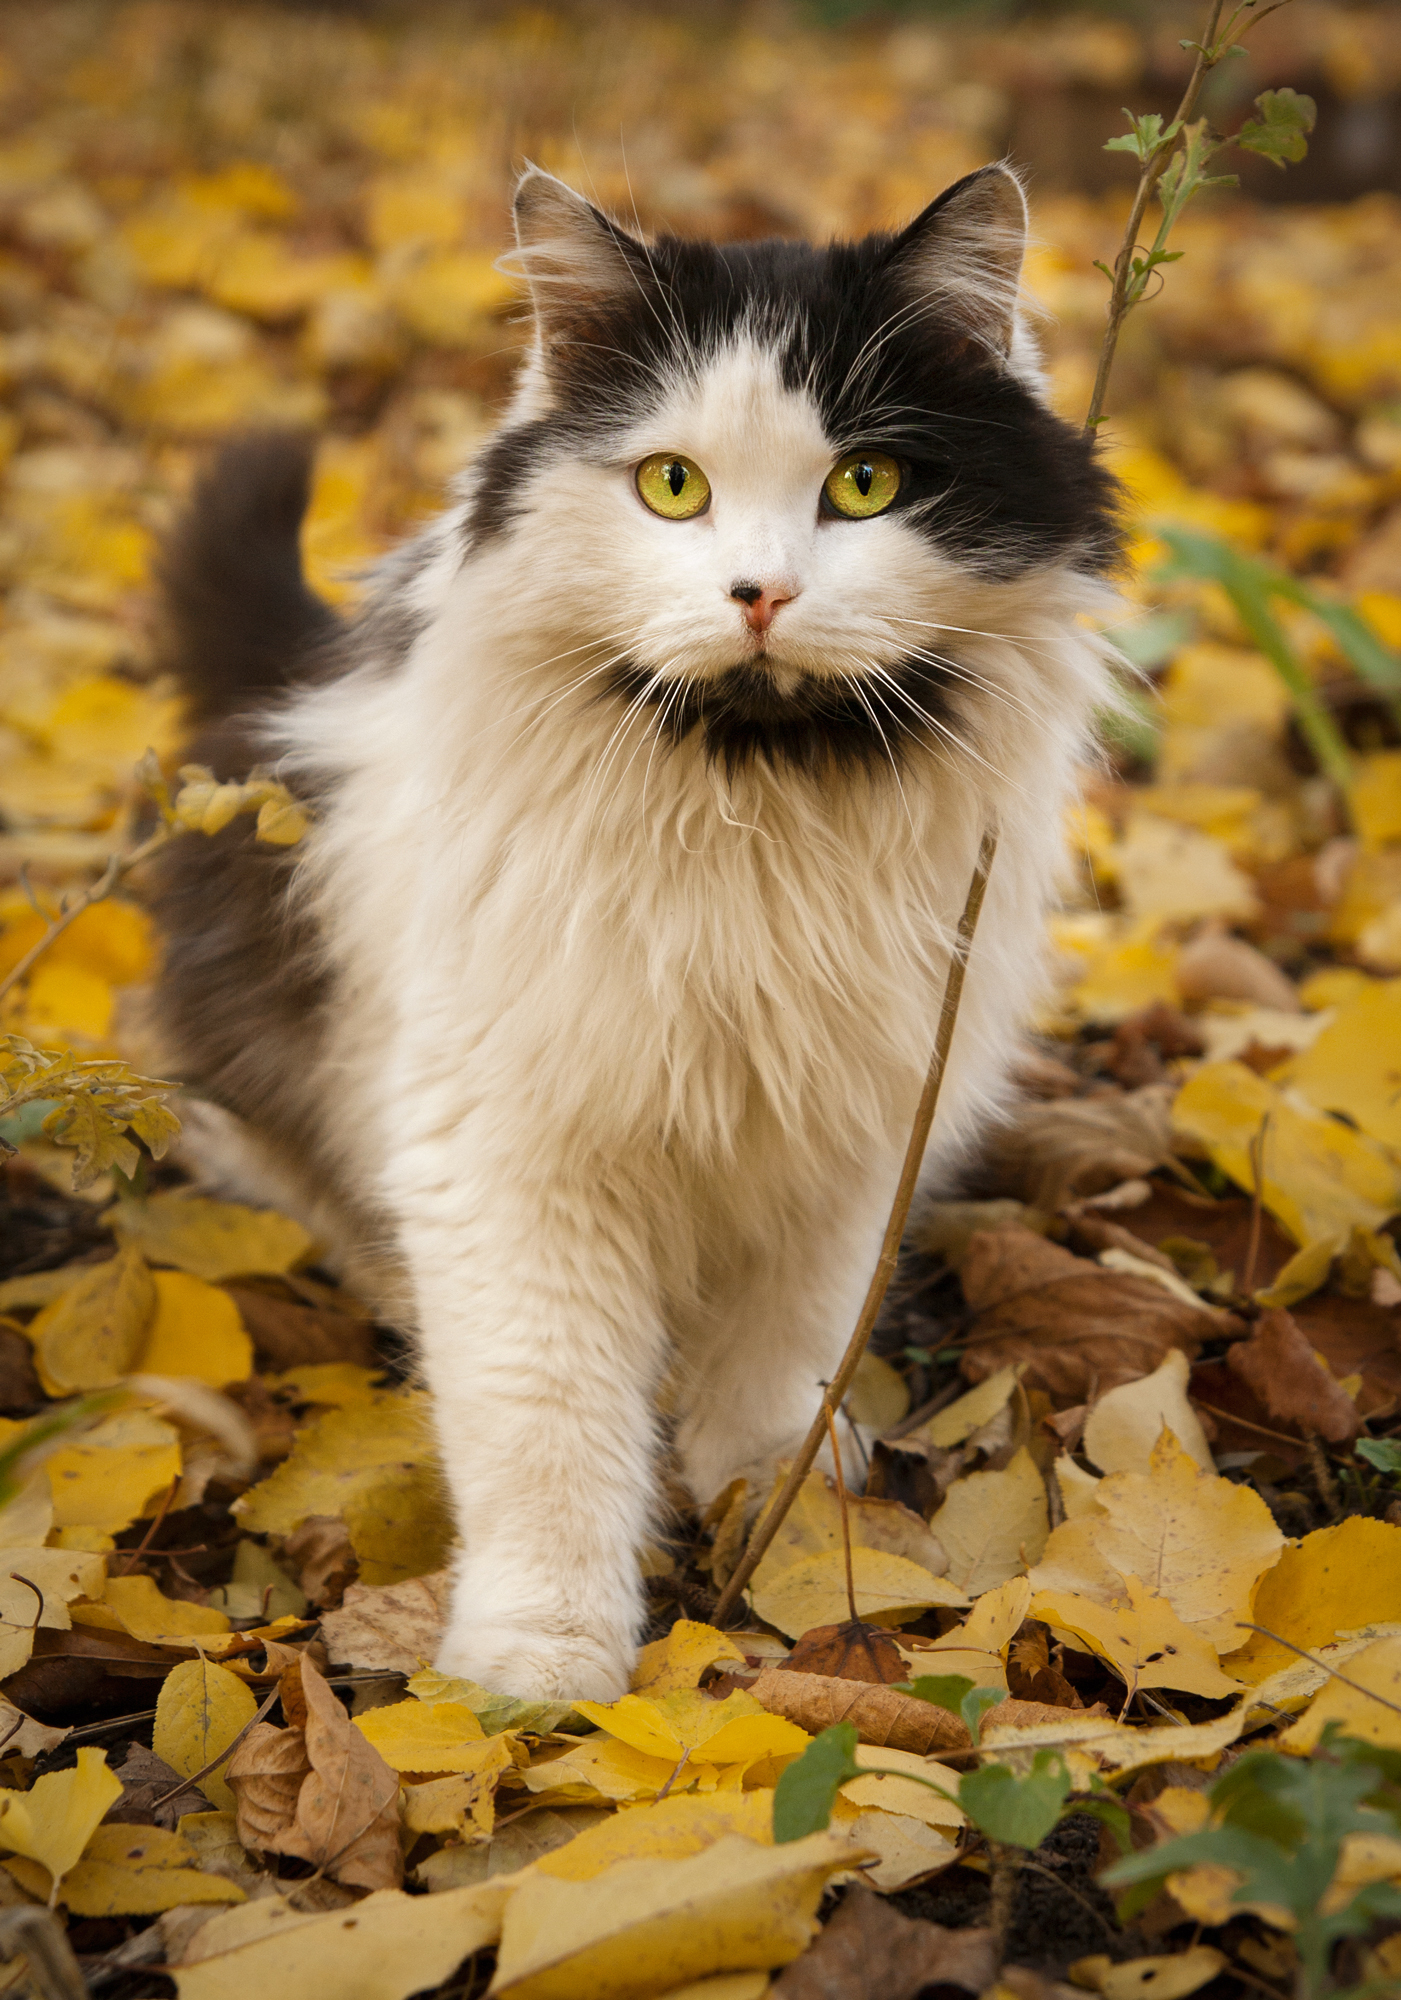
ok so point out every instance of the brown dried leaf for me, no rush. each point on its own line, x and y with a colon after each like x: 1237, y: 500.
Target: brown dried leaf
x: 898, y: 1721
x: 393, y: 1626
x: 1281, y: 1368
x: 1078, y: 1328
x: 870, y: 1952
x: 266, y: 1773
x: 1217, y: 967
x: 348, y: 1808
x: 853, y: 1652
x: 286, y: 1335
x: 321, y: 1558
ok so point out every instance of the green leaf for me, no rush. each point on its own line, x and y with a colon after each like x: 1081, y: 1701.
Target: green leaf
x: 804, y: 1795
x: 1384, y: 1453
x: 1017, y: 1811
x: 975, y: 1705
x: 940, y: 1690
x: 1146, y: 137
x: 1111, y: 1814
x: 1281, y: 131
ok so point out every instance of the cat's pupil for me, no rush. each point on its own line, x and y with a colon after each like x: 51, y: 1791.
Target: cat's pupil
x: 863, y: 474
x: 675, y: 477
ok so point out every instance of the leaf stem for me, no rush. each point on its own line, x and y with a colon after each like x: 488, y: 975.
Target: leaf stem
x: 118, y: 867
x: 768, y: 1527
x: 842, y: 1504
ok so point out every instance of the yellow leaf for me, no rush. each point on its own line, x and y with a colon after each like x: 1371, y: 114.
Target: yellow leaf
x: 813, y: 1526
x: 886, y: 1787
x: 735, y: 1730
x: 970, y: 1412
x: 59, y: 1576
x: 1304, y: 1273
x: 113, y: 1475
x: 907, y: 1849
x: 724, y: 1986
x: 384, y: 1948
x: 679, y: 1660
x: 1321, y: 1179
x: 212, y: 1239
x: 1128, y: 974
x: 334, y: 1382
x: 1194, y: 1540
x: 65, y: 1000
x: 424, y: 1736
x: 1369, y: 1709
x: 112, y: 939
x: 414, y: 207
x: 91, y: 1336
x: 1375, y: 797
x: 1171, y: 1977
x: 371, y: 1465
x: 1125, y: 1424
x: 879, y: 1395
x: 672, y: 1827
x: 994, y: 1524
x: 159, y: 1620
x: 1145, y: 1642
x: 1114, y: 1747
x: 1335, y: 1580
x: 450, y: 297
x: 132, y: 1871
x: 601, y: 1771
x: 890, y: 1590
x: 1290, y: 1688
x: 197, y: 1331
x: 259, y: 273
x: 643, y: 1927
x: 199, y: 1711
x: 1171, y: 873
x: 54, y: 1820
x: 444, y: 1805
x: 1354, y: 1063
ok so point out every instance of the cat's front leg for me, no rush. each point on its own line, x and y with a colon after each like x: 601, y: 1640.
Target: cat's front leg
x: 542, y: 1343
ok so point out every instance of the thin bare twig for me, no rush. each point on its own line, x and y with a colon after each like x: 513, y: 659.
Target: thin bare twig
x: 890, y: 1248
x: 118, y: 868
x: 1244, y: 1625
x: 188, y: 1784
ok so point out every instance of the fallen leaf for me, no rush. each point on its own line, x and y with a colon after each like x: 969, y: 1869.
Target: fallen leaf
x: 54, y: 1820
x: 200, y: 1710
x: 1354, y: 1063
x: 1171, y: 1977
x: 890, y: 1590
x: 372, y: 1465
x: 265, y: 1775
x: 140, y: 1609
x: 21, y: 1732
x: 679, y: 1659
x: 1075, y: 1327
x: 495, y: 1712
x: 1335, y: 1580
x: 147, y: 1781
x: 1290, y: 1688
x: 333, y: 1382
x: 1124, y: 1425
x: 381, y: 1950
x: 210, y: 1239
x: 424, y: 1736
x: 133, y: 1871
x: 852, y: 1651
x: 92, y: 1334
x: 445, y: 1805
x: 601, y: 1771
x: 906, y: 1849
x: 965, y: 1416
x: 645, y: 1926
x: 196, y: 1331
x: 688, y: 1723
x: 1287, y: 1378
x: 323, y: 1561
x: 1367, y: 1705
x: 868, y: 1951
x: 58, y: 1576
x: 885, y: 1786
x: 879, y: 1395
x: 1112, y: 1746
x: 665, y: 1831
x: 390, y: 1627
x: 115, y: 1474
x: 817, y: 1701
x: 1144, y: 1641
x: 813, y: 1526
x: 994, y: 1524
x: 347, y: 1818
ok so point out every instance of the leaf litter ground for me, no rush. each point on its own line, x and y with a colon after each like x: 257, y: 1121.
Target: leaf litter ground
x: 1137, y: 1397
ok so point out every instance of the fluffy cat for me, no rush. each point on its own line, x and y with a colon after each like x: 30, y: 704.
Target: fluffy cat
x: 587, y: 1025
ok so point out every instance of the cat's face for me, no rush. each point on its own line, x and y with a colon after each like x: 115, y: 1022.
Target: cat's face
x: 781, y: 485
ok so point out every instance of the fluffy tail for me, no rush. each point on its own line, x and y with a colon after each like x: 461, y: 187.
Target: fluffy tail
x: 240, y: 619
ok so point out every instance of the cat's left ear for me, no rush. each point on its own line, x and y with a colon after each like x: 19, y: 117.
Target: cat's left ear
x: 574, y: 259
x: 963, y: 256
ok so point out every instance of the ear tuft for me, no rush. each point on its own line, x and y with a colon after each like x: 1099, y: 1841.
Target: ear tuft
x: 964, y: 255
x: 570, y: 254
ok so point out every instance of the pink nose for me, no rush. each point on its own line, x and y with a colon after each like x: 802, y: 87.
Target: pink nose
x: 760, y: 602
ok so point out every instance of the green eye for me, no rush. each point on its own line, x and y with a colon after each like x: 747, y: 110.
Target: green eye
x: 673, y: 486
x: 861, y: 484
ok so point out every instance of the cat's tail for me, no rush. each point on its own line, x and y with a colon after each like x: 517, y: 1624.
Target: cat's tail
x: 240, y: 620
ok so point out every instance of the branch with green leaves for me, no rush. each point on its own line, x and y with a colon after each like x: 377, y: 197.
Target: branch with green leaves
x: 1174, y: 161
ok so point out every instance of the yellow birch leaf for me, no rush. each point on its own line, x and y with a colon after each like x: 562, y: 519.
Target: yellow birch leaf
x: 1145, y: 1641
x: 199, y: 1711
x: 679, y: 1660
x: 602, y: 1771
x: 879, y: 1395
x: 159, y: 1620
x: 54, y: 1820
x: 907, y: 1849
x: 1354, y: 1064
x: 1112, y: 1746
x: 92, y: 1334
x: 890, y: 1590
x: 735, y: 1730
x: 643, y: 1927
x: 111, y: 1477
x: 444, y: 1805
x: 664, y: 1831
x: 212, y: 1239
x: 335, y: 1382
x: 724, y: 1986
x: 385, y: 1948
x: 130, y: 1871
x: 970, y: 1412
x: 1321, y: 1179
x: 1171, y: 1977
x: 1335, y: 1580
x: 994, y: 1621
x: 1195, y: 1540
x: 1370, y: 1708
x: 424, y: 1736
x: 197, y: 1331
x: 885, y: 1786
x: 1290, y: 1688
x: 994, y: 1524
x: 58, y: 1575
x: 1125, y: 1424
x: 813, y: 1526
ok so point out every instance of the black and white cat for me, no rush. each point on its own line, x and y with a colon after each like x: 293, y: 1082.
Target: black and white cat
x: 589, y: 1021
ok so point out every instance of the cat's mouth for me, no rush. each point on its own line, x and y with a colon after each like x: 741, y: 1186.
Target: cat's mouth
x: 792, y: 719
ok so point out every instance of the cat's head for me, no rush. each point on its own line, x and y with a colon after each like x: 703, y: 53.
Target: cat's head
x: 782, y: 489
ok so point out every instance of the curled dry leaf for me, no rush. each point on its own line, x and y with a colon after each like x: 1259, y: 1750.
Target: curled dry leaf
x: 392, y: 1627
x: 868, y: 1951
x: 319, y: 1555
x: 817, y: 1701
x: 265, y: 1774
x: 852, y: 1651
x: 1294, y: 1386
x: 1076, y: 1327
x: 347, y: 1819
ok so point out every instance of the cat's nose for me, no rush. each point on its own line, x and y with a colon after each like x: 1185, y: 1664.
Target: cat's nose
x: 759, y: 602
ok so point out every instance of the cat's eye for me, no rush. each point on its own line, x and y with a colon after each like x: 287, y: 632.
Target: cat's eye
x: 673, y: 486
x: 862, y: 484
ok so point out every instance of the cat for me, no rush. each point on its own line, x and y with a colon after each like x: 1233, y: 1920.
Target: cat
x: 587, y: 1024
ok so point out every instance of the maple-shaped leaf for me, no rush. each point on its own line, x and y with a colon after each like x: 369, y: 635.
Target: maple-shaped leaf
x: 1281, y: 131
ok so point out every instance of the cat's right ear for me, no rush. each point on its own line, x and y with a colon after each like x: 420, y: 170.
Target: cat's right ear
x: 573, y: 258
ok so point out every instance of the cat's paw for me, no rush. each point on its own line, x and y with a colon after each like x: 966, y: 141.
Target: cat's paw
x: 534, y: 1664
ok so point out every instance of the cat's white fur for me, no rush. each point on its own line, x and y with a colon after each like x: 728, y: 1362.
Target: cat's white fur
x: 625, y: 1051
